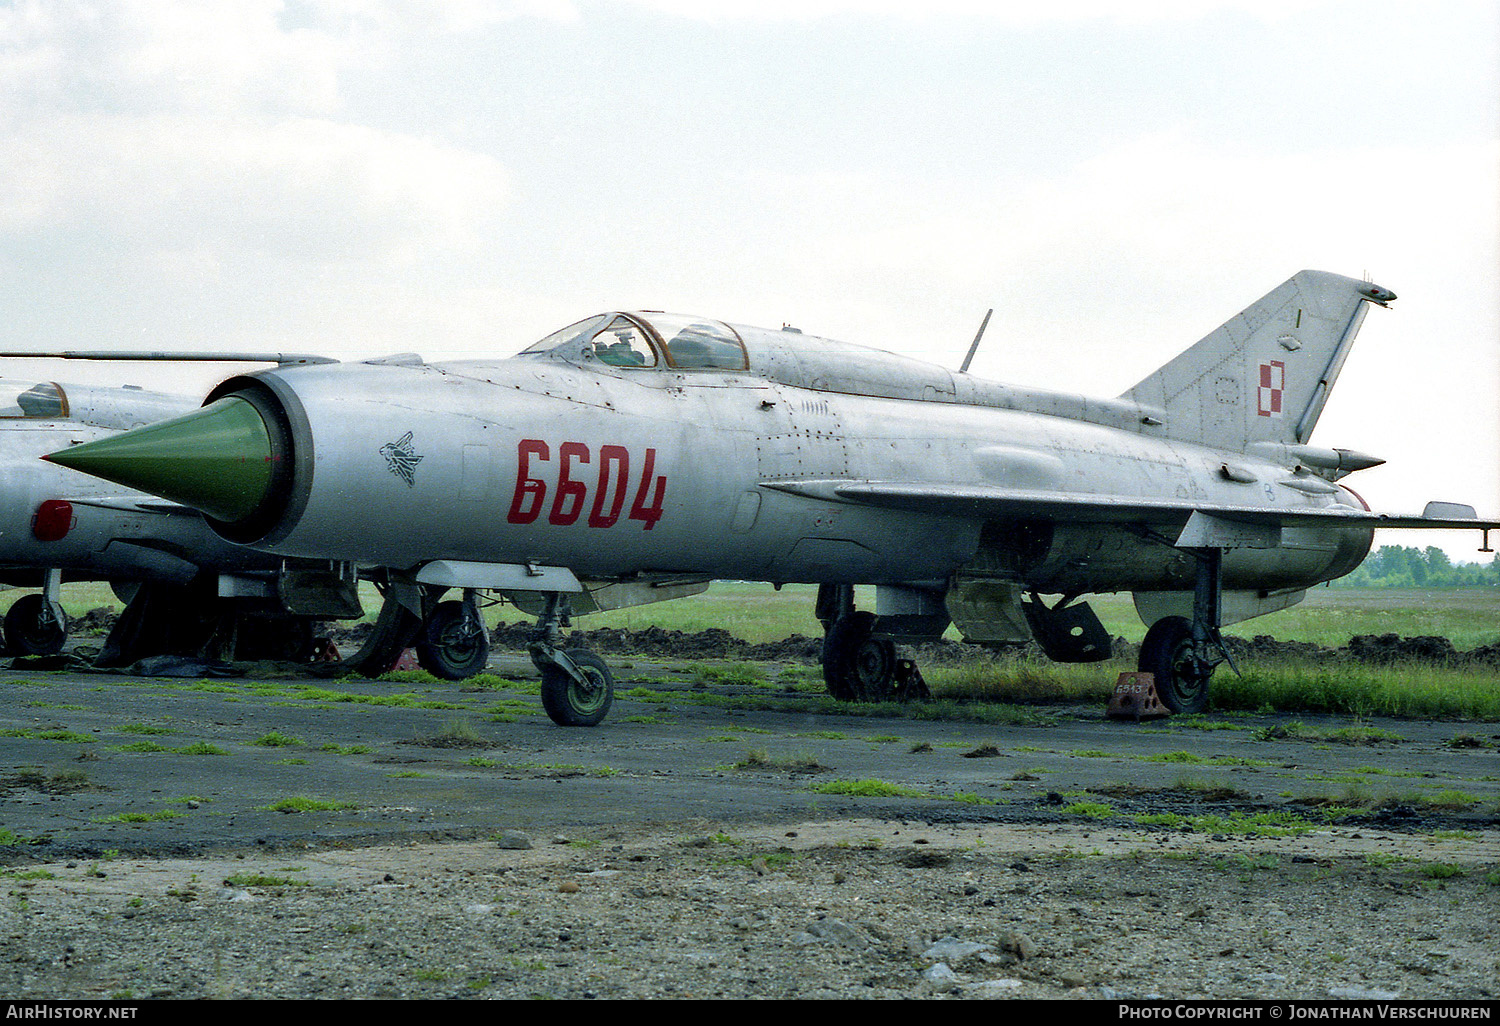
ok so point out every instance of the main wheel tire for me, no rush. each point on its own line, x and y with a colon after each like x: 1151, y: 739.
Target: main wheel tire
x: 857, y: 667
x: 571, y: 704
x: 29, y: 629
x: 453, y: 645
x: 1167, y: 654
x: 835, y: 668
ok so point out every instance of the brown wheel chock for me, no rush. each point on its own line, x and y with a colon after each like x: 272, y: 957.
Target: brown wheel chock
x: 1135, y: 698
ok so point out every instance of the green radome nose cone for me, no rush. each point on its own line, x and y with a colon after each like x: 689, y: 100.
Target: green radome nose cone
x: 219, y: 459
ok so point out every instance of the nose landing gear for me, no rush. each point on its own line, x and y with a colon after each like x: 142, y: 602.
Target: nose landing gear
x: 577, y: 687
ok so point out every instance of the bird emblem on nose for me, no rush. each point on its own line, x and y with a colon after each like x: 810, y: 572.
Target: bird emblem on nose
x: 402, y: 459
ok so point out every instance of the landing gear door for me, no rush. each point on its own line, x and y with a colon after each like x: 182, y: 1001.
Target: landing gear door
x: 1068, y: 634
x: 988, y: 612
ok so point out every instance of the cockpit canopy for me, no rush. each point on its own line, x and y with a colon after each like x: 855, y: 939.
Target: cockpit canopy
x: 42, y: 401
x: 641, y: 340
x: 647, y: 340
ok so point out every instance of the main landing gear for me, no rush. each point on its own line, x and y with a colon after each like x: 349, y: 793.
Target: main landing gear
x: 35, y: 627
x: 36, y: 624
x: 453, y: 643
x: 858, y: 666
x: 1182, y: 654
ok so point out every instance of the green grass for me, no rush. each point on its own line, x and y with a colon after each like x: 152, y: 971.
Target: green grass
x: 1296, y: 730
x: 276, y: 739
x: 139, y: 817
x: 261, y: 880
x: 760, y: 759
x: 1327, y: 617
x: 71, y: 736
x: 305, y: 804
x: 1331, y: 616
x: 752, y: 612
x: 758, y: 613
x: 142, y: 746
x: 868, y: 789
x: 1000, y: 690
x: 200, y: 748
x: 1262, y: 824
x: 1409, y: 691
x: 728, y: 673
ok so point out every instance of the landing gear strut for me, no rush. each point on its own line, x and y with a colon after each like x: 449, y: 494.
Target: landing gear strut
x: 1182, y: 654
x: 577, y: 687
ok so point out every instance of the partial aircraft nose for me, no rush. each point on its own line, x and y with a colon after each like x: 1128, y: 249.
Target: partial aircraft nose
x: 225, y: 459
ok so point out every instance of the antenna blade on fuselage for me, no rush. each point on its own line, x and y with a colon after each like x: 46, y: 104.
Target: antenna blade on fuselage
x: 974, y: 346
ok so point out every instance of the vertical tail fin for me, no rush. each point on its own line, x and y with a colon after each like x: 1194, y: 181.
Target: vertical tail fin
x: 1265, y: 374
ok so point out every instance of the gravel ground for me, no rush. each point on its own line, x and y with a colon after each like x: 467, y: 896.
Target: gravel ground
x: 845, y: 909
x: 770, y: 895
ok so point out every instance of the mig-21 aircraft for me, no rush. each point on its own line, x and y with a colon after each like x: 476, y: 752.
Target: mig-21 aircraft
x: 632, y: 457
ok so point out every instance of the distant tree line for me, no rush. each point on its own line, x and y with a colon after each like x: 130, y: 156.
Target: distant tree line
x: 1398, y: 566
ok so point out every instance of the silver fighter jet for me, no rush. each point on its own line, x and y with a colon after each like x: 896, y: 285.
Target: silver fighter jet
x: 635, y: 456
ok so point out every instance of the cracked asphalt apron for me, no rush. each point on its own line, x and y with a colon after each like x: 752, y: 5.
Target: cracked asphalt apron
x: 97, y: 763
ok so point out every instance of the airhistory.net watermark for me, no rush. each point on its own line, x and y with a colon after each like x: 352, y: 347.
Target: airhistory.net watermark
x: 26, y: 1010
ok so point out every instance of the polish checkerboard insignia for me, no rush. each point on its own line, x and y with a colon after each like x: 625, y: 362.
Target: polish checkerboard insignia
x: 1272, y: 382
x: 402, y: 459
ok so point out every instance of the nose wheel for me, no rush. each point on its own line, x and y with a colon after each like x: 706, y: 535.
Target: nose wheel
x: 577, y: 687
x: 580, y: 698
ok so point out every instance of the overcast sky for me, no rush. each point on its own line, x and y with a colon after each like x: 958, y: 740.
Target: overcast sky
x: 458, y: 178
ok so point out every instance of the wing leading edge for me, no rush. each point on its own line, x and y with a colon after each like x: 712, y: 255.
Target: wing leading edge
x: 1201, y: 523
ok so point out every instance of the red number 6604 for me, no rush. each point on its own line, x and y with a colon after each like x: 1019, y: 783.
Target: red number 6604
x: 571, y: 493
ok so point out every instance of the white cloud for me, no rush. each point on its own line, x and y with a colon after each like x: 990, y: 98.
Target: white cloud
x: 268, y: 57
x: 1012, y: 12
x: 154, y: 127
x: 160, y: 55
x: 1099, y: 254
x: 297, y: 189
